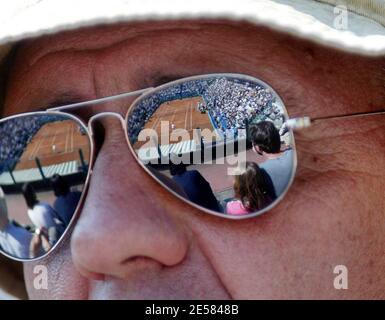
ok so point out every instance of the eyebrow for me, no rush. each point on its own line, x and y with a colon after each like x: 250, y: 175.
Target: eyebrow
x: 62, y: 99
x: 166, y: 79
x: 78, y: 104
x: 70, y: 100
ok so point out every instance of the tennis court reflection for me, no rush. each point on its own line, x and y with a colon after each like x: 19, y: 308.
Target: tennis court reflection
x: 43, y: 167
x: 222, y: 139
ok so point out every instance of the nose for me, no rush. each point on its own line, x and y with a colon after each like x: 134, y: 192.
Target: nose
x: 128, y: 220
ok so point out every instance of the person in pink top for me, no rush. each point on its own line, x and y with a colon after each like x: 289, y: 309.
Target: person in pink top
x: 251, y: 191
x: 236, y: 207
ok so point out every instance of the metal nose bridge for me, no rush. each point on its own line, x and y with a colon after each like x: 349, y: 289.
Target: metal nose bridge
x: 104, y: 115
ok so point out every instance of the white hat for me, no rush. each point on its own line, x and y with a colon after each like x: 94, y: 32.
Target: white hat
x: 361, y: 29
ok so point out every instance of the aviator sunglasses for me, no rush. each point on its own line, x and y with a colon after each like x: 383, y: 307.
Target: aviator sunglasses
x: 223, y: 143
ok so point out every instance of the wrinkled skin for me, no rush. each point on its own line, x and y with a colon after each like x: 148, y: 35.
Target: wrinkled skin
x: 134, y: 240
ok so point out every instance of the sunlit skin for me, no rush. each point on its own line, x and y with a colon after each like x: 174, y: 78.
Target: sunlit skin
x: 135, y: 240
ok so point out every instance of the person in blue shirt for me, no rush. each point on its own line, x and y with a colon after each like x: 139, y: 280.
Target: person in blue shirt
x: 66, y: 200
x: 196, y: 187
x: 278, y: 164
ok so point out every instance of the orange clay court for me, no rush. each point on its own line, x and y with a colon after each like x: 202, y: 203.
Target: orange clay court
x: 55, y: 143
x: 182, y: 113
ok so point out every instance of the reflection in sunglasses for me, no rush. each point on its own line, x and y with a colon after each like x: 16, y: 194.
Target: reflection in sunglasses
x: 218, y: 141
x: 222, y: 139
x: 43, y: 167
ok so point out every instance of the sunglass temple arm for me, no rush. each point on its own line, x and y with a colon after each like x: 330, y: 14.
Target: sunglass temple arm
x: 305, y: 122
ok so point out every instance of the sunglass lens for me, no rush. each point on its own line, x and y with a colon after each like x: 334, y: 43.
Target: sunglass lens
x: 220, y: 141
x: 44, y: 162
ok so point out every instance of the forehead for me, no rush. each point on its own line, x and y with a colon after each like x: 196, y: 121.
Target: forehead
x: 99, y: 37
x: 136, y: 52
x: 171, y: 48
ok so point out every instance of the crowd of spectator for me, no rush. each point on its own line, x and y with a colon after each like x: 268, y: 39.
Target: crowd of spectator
x: 15, y: 134
x: 232, y: 103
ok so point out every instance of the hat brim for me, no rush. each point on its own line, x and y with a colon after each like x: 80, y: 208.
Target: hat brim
x: 308, y: 19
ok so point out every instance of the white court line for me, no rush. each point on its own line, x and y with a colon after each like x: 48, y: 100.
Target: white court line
x: 191, y: 115
x: 72, y: 139
x: 67, y: 137
x: 30, y: 156
x: 155, y: 124
x: 173, y: 116
x: 30, y: 153
x: 53, y: 139
x: 162, y: 113
x: 185, y: 119
x: 37, y: 148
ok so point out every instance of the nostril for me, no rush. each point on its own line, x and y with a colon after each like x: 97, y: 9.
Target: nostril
x: 141, y: 261
x: 92, y: 275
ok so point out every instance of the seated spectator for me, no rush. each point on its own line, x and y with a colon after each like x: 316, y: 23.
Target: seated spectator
x: 196, y: 187
x: 66, y: 200
x: 42, y: 215
x: 14, y: 239
x: 251, y: 191
x: 39, y: 244
x: 278, y: 164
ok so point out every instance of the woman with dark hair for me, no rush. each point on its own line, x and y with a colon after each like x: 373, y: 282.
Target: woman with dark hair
x: 66, y: 200
x: 42, y: 215
x: 251, y: 188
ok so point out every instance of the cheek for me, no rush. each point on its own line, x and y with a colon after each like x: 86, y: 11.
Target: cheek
x: 328, y: 218
x: 289, y: 252
x: 63, y: 281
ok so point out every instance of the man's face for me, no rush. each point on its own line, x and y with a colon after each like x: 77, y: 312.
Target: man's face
x: 134, y: 240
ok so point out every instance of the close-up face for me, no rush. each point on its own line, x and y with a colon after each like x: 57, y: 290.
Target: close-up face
x: 133, y: 239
